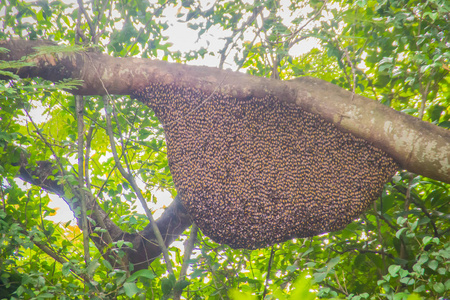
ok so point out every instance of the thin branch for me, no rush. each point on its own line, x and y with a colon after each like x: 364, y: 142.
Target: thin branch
x: 215, y: 281
x: 87, y: 178
x: 97, y: 20
x: 84, y: 224
x: 336, y: 289
x: 187, y: 255
x: 387, y: 222
x: 50, y: 252
x: 347, y: 56
x: 41, y: 136
x: 188, y: 250
x: 78, y: 33
x: 88, y: 19
x: 130, y: 178
x: 272, y: 251
x: 122, y: 143
x: 427, y: 213
x: 246, y: 53
x: 380, y: 236
x: 136, y: 189
x: 342, y: 288
x: 236, y: 34
x: 156, y: 13
x: 418, y: 202
x: 173, y: 221
x: 293, y: 42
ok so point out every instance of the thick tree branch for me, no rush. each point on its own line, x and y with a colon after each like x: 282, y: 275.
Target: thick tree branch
x: 45, y: 175
x: 417, y: 146
x: 145, y: 248
x: 171, y: 224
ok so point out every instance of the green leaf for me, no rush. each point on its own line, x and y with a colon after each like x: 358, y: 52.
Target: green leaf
x: 167, y: 284
x: 403, y: 273
x: 181, y: 285
x: 333, y: 262
x: 400, y: 231
x: 130, y: 289
x: 439, y: 287
x: 45, y: 296
x: 447, y: 285
x: 65, y: 269
x: 393, y: 270
x: 426, y: 240
x: 196, y: 273
x: 93, y: 265
x: 142, y: 273
x: 407, y: 280
x: 319, y: 277
x: 291, y: 269
x: 107, y: 264
x: 433, y: 264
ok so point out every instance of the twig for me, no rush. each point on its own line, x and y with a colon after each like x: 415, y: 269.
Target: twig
x: 97, y: 20
x: 50, y: 252
x: 157, y: 12
x: 247, y: 52
x: 78, y: 33
x: 214, y: 281
x: 130, y: 178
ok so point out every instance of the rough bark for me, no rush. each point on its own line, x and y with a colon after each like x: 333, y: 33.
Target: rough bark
x: 417, y: 146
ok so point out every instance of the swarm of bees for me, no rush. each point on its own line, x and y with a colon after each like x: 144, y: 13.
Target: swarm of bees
x: 256, y: 171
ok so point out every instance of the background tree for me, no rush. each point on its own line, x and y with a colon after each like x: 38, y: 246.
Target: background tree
x: 395, y: 52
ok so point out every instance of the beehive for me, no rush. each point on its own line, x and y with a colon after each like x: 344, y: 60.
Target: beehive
x: 256, y: 171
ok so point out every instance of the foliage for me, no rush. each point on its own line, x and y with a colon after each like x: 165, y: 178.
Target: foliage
x: 393, y: 51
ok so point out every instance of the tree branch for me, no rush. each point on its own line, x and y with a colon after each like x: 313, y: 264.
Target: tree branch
x: 128, y: 176
x: 81, y: 185
x: 171, y: 224
x: 189, y: 246
x: 418, y: 146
